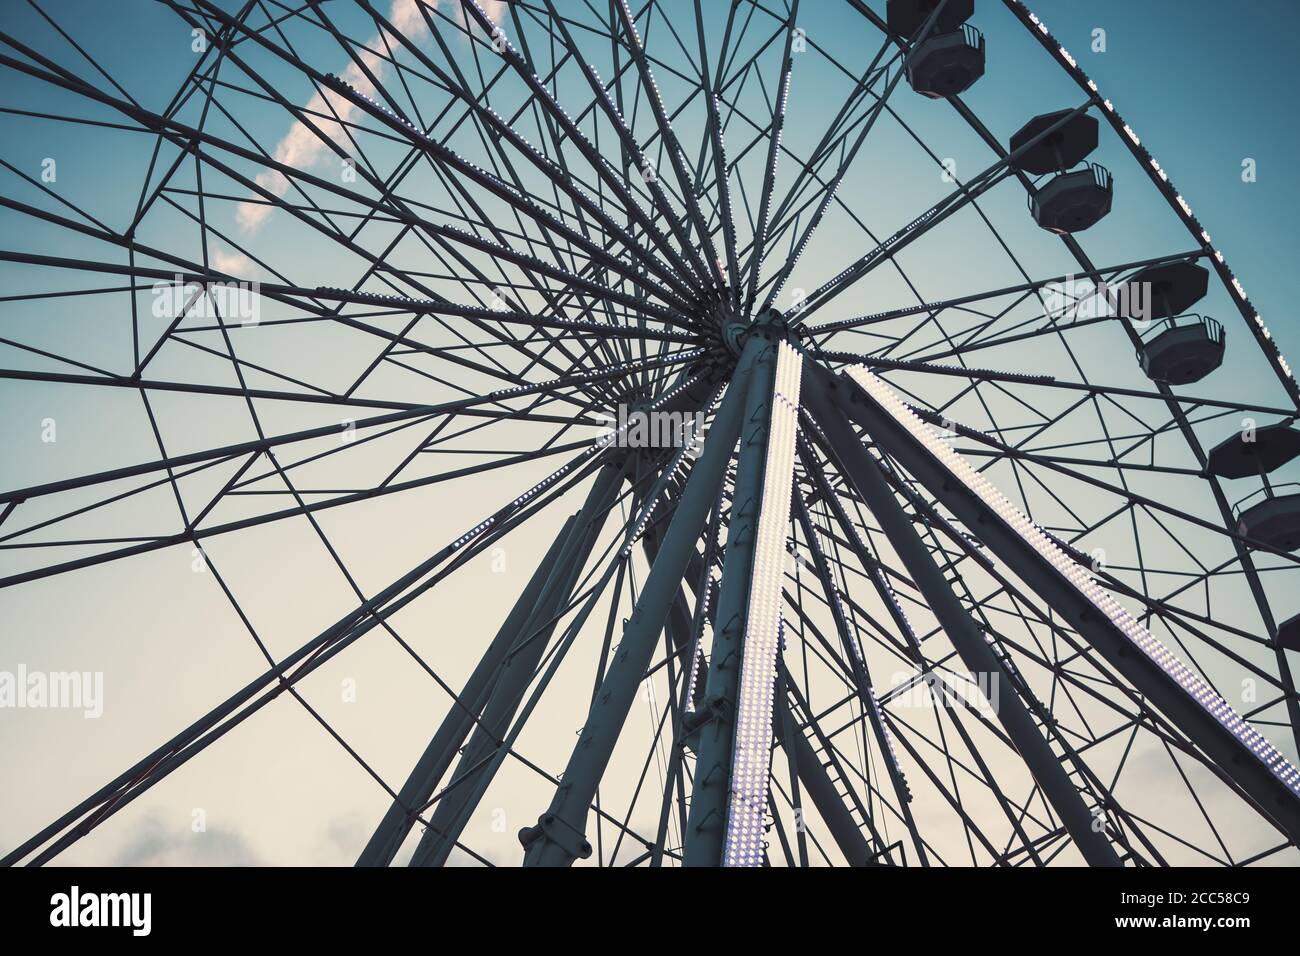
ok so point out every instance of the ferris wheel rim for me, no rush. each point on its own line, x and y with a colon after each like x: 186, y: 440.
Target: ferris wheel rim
x: 688, y: 358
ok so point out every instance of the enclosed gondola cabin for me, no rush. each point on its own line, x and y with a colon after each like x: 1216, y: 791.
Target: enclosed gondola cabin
x: 950, y: 57
x: 1257, y: 451
x: 1288, y: 634
x: 1079, y: 194
x: 1273, y: 521
x: 1178, y: 347
x: 905, y: 17
x: 948, y: 64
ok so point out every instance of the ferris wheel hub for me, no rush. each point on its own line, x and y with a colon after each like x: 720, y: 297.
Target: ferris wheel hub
x: 770, y: 324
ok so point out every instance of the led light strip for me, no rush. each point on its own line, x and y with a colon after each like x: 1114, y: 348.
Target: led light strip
x: 1191, y: 682
x: 722, y: 149
x: 596, y: 448
x: 752, y: 751
x: 880, y: 250
x: 1161, y: 179
x: 889, y: 741
x: 442, y: 309
x: 873, y: 568
x: 675, y: 467
x: 711, y: 550
x: 697, y: 652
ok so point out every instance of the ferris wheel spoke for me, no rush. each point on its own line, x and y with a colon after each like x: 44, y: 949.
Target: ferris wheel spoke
x: 715, y: 144
x: 887, y: 250
x: 846, y: 161
x: 1257, y: 769
x: 962, y: 630
x: 599, y: 165
x: 703, y: 264
x: 755, y: 261
x: 262, y: 444
x: 932, y: 217
x: 197, y: 388
x: 724, y: 211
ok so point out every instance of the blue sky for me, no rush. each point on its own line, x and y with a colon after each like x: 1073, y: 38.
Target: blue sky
x: 1205, y: 84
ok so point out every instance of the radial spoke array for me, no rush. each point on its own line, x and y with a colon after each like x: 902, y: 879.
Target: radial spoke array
x: 702, y: 471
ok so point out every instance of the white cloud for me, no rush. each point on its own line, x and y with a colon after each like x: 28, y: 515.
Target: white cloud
x: 301, y: 147
x: 157, y: 840
x: 231, y: 263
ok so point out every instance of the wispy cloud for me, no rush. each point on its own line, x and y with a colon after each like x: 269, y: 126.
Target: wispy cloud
x: 301, y: 147
x: 231, y: 263
x: 153, y: 842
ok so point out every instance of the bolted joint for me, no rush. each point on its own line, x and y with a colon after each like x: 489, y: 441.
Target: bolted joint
x: 554, y: 830
x: 712, y: 709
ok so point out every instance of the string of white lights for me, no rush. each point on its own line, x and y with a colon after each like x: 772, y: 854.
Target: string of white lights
x: 1080, y: 577
x: 1161, y: 179
x: 600, y: 445
x: 689, y: 442
x: 702, y: 624
x: 752, y: 751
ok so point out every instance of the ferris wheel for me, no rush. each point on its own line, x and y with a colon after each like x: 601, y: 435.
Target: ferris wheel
x: 882, y: 482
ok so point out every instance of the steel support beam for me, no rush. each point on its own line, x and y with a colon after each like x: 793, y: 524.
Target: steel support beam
x: 841, y: 444
x: 706, y: 827
x: 465, y: 709
x: 821, y: 790
x: 516, y: 671
x: 1259, y: 772
x: 559, y: 836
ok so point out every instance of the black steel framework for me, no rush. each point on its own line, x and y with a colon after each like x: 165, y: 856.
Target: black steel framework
x: 544, y: 212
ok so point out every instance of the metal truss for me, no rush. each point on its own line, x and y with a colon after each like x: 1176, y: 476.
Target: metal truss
x: 926, y: 571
